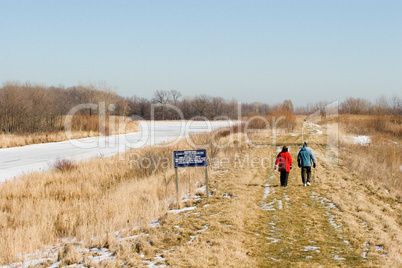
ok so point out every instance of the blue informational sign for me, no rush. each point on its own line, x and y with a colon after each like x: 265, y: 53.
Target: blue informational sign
x: 190, y: 158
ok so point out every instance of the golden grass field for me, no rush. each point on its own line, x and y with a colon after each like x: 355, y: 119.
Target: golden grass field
x: 349, y: 217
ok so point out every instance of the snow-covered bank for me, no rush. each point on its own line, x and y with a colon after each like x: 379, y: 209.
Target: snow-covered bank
x: 37, y: 157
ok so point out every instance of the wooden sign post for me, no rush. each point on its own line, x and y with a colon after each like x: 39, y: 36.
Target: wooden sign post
x: 190, y: 158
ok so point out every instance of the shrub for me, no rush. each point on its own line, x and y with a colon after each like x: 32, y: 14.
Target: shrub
x: 63, y: 165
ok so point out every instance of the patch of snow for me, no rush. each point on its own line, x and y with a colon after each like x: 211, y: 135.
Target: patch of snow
x: 154, y: 224
x: 204, y: 229
x: 331, y: 220
x: 280, y: 204
x: 192, y: 239
x: 157, y: 259
x: 362, y: 140
x: 273, y: 240
x: 201, y: 189
x: 266, y: 191
x: 313, y: 125
x: 311, y: 248
x: 105, y: 255
x: 213, y: 215
x: 366, y: 249
x: 332, y: 205
x: 268, y: 207
x: 274, y: 259
x: 379, y: 247
x: 177, y: 211
x: 337, y: 258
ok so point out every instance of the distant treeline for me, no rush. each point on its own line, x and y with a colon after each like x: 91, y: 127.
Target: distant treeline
x: 34, y: 108
x: 382, y: 106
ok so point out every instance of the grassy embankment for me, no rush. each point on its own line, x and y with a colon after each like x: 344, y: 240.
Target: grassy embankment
x: 82, y: 127
x: 343, y: 219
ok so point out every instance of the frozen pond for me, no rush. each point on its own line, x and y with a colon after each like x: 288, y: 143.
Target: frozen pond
x: 37, y: 157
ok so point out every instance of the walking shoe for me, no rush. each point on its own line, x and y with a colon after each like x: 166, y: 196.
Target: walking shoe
x: 304, y: 184
x: 308, y: 183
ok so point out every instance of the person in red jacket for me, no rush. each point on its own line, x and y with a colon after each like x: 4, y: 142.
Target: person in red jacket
x: 284, y: 163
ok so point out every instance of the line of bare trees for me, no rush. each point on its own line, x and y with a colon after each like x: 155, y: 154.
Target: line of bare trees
x: 34, y: 108
x: 381, y: 106
x: 204, y: 106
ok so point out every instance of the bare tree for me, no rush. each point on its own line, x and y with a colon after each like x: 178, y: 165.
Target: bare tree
x: 175, y: 96
x: 201, y: 105
x: 355, y: 106
x: 162, y: 97
x: 381, y: 105
x: 288, y: 105
x: 396, y: 105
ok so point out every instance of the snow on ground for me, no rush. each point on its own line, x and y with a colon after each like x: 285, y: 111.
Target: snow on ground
x: 177, y: 211
x: 362, y: 140
x: 96, y: 255
x: 37, y: 157
x: 313, y: 128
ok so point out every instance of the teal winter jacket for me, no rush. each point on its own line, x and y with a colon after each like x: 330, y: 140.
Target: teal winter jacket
x: 304, y: 157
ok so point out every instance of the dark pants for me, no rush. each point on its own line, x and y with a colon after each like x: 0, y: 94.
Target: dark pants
x: 306, y: 174
x: 284, y: 178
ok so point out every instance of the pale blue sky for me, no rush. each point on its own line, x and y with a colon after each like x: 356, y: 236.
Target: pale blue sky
x: 251, y: 50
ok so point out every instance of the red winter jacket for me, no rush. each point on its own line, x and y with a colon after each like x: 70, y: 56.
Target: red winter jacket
x: 284, y: 157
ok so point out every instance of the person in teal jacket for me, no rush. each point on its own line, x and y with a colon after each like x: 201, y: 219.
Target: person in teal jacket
x: 304, y: 159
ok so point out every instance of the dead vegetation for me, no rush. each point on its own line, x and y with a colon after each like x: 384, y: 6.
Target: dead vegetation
x: 81, y: 127
x: 98, y: 197
x: 380, y: 161
x: 125, y: 194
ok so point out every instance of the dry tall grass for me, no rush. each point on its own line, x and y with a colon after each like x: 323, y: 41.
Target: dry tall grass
x: 386, y: 126
x: 380, y: 161
x: 280, y: 119
x: 98, y: 197
x: 82, y: 127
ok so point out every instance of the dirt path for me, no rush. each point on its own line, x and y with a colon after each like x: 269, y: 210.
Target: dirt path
x: 301, y: 227
x: 336, y: 222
